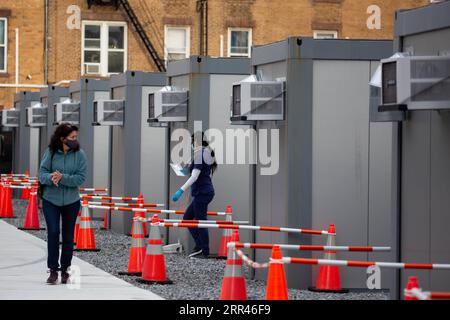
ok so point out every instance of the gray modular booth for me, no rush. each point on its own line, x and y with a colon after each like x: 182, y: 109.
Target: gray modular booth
x: 94, y: 140
x: 138, y: 162
x: 26, y: 145
x: 417, y: 86
x: 199, y: 90
x: 10, y: 119
x: 41, y: 116
x: 335, y: 167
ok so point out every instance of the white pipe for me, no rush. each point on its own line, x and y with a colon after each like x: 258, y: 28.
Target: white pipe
x: 17, y: 58
x: 221, y: 45
x: 9, y: 85
x: 63, y: 82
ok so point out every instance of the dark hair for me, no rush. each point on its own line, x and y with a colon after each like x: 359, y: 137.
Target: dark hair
x: 61, y: 131
x: 205, y: 143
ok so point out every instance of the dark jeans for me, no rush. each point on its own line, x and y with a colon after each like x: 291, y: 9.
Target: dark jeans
x: 197, y: 210
x: 52, y: 215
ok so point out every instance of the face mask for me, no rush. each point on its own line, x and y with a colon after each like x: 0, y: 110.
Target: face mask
x: 72, y: 144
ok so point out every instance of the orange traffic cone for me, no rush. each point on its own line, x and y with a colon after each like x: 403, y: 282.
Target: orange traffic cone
x: 1, y: 198
x: 137, y: 251
x: 85, y: 235
x: 413, y: 283
x: 226, y: 235
x: 140, y: 202
x: 153, y: 268
x: 105, y: 220
x: 329, y: 279
x: 32, y: 217
x: 77, y: 227
x: 25, y: 193
x: 233, y: 284
x: 276, y: 280
x: 7, y: 207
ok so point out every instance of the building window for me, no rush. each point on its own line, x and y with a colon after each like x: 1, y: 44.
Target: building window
x: 176, y: 43
x: 3, y: 43
x: 104, y: 48
x: 239, y: 42
x: 325, y: 34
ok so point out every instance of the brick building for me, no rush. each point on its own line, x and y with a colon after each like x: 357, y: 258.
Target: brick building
x: 98, y: 37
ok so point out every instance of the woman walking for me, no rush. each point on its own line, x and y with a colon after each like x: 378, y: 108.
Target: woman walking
x: 202, y: 168
x: 62, y: 171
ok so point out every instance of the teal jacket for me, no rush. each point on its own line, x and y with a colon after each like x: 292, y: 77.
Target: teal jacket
x: 73, y: 167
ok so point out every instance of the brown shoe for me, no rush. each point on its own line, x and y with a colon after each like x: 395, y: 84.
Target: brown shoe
x: 64, y: 277
x: 53, y: 278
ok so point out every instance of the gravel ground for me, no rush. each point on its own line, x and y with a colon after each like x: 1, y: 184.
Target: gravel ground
x: 194, y: 279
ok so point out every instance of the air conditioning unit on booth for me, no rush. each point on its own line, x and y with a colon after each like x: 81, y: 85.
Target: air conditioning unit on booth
x: 109, y: 112
x: 36, y: 116
x: 67, y: 113
x: 258, y: 101
x: 168, y: 105
x: 10, y: 118
x: 415, y: 83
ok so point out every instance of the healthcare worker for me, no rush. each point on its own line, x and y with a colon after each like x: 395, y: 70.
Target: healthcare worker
x: 202, y: 167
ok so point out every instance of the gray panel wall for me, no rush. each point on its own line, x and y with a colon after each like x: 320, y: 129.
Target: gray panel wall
x: 425, y: 180
x: 153, y: 158
x: 270, y: 190
x: 351, y: 164
x: 28, y: 143
x: 100, y: 161
x: 138, y: 152
x: 118, y: 165
x: 383, y: 190
x: 285, y: 199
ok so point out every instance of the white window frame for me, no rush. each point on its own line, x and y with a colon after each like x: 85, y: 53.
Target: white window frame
x: 104, y: 44
x: 250, y: 39
x: 317, y: 33
x: 5, y: 45
x: 188, y: 40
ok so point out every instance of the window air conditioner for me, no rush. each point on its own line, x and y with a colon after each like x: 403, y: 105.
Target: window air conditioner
x: 92, y: 68
x: 415, y: 83
x: 36, y: 116
x: 108, y: 112
x: 258, y: 100
x: 10, y: 118
x: 66, y: 113
x: 168, y: 105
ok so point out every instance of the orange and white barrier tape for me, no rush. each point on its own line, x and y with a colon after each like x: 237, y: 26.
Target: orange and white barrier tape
x: 210, y: 213
x: 309, y: 247
x: 82, y: 195
x: 111, y: 198
x: 24, y: 183
x: 224, y: 226
x: 426, y: 295
x: 19, y: 187
x: 365, y: 264
x: 13, y: 175
x: 94, y: 189
x: 193, y: 221
x: 118, y: 204
x: 250, y: 262
x: 21, y: 180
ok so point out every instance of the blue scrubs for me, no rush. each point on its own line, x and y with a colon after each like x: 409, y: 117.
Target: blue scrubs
x: 202, y: 192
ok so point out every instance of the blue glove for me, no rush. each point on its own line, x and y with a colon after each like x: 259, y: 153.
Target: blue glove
x: 177, y: 195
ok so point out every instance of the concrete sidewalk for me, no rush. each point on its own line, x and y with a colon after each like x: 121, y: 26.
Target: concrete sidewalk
x: 23, y: 271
